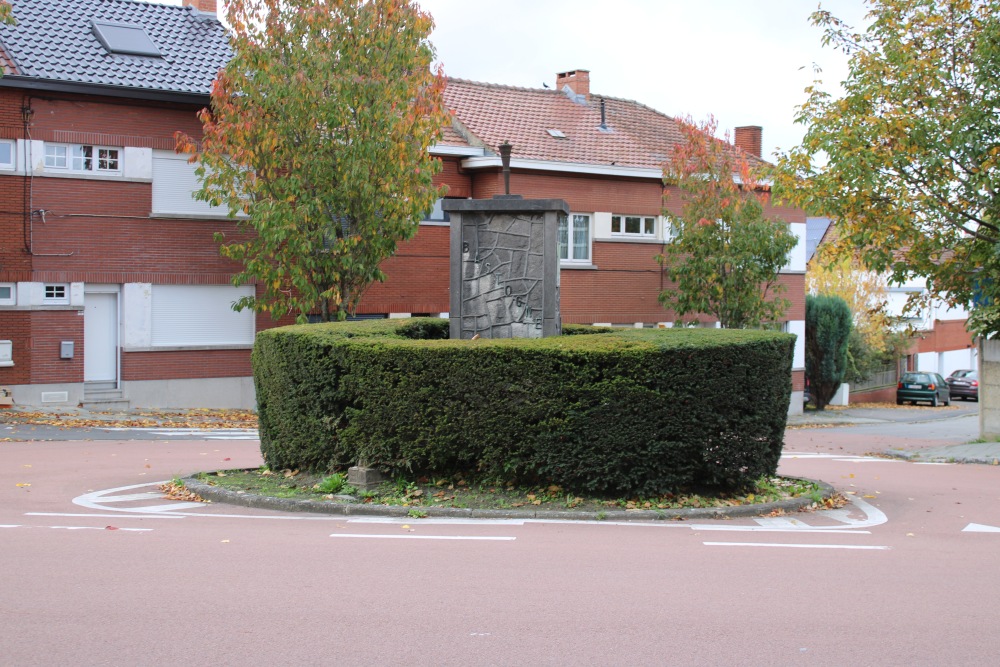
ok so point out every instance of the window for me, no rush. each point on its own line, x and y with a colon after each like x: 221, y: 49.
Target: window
x: 200, y: 315
x: 125, y: 38
x: 55, y: 156
x: 6, y: 154
x: 8, y: 294
x: 633, y: 225
x: 174, y: 184
x: 55, y: 294
x: 574, y: 239
x: 83, y: 158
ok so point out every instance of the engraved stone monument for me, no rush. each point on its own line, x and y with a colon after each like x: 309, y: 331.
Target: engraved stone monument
x: 505, y: 267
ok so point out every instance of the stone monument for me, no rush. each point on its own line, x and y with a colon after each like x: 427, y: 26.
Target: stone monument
x: 505, y: 264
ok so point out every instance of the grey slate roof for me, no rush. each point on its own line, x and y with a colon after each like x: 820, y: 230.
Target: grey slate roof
x: 54, y: 45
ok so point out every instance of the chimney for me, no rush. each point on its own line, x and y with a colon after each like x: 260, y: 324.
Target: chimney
x: 748, y: 139
x: 578, y: 80
x: 203, y: 6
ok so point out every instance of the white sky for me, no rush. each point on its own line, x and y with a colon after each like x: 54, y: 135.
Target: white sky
x: 747, y: 62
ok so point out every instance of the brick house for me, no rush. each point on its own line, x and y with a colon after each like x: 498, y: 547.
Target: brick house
x: 111, y: 286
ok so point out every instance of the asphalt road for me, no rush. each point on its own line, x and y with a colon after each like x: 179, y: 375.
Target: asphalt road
x: 98, y: 569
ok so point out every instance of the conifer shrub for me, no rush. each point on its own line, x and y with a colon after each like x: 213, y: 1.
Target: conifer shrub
x: 596, y: 410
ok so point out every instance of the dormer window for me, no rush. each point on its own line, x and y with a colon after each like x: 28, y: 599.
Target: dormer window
x: 125, y: 39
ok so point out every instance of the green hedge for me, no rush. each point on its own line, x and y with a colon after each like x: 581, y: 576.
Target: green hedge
x: 617, y: 411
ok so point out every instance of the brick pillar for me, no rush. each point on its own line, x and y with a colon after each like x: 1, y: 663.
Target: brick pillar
x: 204, y: 6
x: 578, y: 80
x: 748, y: 139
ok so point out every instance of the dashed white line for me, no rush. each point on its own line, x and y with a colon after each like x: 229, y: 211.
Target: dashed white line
x: 794, y: 546
x: 427, y: 537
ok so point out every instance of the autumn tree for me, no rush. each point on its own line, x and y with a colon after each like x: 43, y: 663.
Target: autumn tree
x: 906, y: 161
x: 317, y: 140
x: 865, y: 292
x: 6, y: 15
x: 726, y: 253
x: 828, y: 331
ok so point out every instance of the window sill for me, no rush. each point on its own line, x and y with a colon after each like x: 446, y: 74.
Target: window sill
x: 630, y: 239
x: 6, y: 364
x: 168, y: 215
x: 189, y: 348
x: 84, y: 176
x: 585, y: 267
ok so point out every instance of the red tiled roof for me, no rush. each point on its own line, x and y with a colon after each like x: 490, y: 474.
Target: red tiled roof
x: 637, y: 136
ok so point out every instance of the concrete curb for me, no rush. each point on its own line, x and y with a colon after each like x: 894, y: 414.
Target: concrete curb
x: 215, y: 494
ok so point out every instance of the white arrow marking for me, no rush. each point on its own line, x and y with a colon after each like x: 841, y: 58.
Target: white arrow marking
x: 980, y: 528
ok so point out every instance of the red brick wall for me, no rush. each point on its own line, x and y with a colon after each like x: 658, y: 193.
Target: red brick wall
x: 15, y: 326
x: 418, y: 276
x: 48, y: 329
x: 185, y: 364
x: 459, y: 185
x: 81, y: 119
x: 946, y: 335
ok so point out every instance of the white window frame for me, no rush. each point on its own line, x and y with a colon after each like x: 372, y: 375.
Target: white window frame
x: 8, y: 163
x: 55, y: 293
x: 622, y: 219
x: 72, y: 158
x: 572, y: 220
x: 10, y: 300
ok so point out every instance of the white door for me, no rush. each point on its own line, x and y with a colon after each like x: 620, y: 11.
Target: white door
x: 100, y: 337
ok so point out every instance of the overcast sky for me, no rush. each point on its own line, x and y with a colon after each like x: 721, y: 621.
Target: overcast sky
x: 747, y: 62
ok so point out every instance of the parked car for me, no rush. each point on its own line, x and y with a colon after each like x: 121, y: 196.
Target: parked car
x: 923, y: 386
x: 964, y: 384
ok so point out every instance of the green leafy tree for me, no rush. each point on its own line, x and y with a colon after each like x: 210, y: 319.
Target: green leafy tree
x: 906, y: 161
x: 726, y: 253
x: 828, y: 332
x: 6, y: 15
x: 317, y: 141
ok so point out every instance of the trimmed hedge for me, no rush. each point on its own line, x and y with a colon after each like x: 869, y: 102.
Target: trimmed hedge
x: 617, y: 411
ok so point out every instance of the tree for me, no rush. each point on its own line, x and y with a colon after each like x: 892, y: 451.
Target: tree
x: 828, y: 330
x: 912, y: 148
x: 317, y: 141
x: 6, y: 15
x: 726, y: 253
x: 864, y: 291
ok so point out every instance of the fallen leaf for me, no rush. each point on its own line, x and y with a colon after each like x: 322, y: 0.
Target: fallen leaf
x: 23, y: 484
x: 225, y: 541
x: 110, y: 528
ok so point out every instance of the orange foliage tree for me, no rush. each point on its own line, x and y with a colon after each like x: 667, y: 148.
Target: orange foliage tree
x: 317, y: 140
x: 726, y: 253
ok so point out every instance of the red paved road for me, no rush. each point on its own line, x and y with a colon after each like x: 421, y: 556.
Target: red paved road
x: 224, y: 586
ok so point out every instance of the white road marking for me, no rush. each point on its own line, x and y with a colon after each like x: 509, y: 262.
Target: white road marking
x: 107, y: 516
x: 196, y: 433
x: 10, y: 525
x: 132, y: 530
x: 837, y: 457
x: 171, y: 507
x: 980, y: 528
x: 427, y: 537
x: 793, y: 546
x: 148, y: 495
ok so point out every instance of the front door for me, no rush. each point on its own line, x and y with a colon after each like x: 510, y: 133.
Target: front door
x: 100, y: 337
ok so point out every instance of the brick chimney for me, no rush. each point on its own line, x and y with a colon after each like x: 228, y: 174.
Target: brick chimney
x: 203, y: 6
x: 747, y: 138
x: 578, y: 80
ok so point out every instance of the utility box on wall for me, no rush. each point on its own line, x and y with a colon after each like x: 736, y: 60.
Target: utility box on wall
x: 505, y: 267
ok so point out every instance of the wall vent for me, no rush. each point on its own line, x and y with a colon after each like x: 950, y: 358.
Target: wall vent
x: 55, y: 397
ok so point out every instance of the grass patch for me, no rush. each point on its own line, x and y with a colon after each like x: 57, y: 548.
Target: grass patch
x: 472, y: 494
